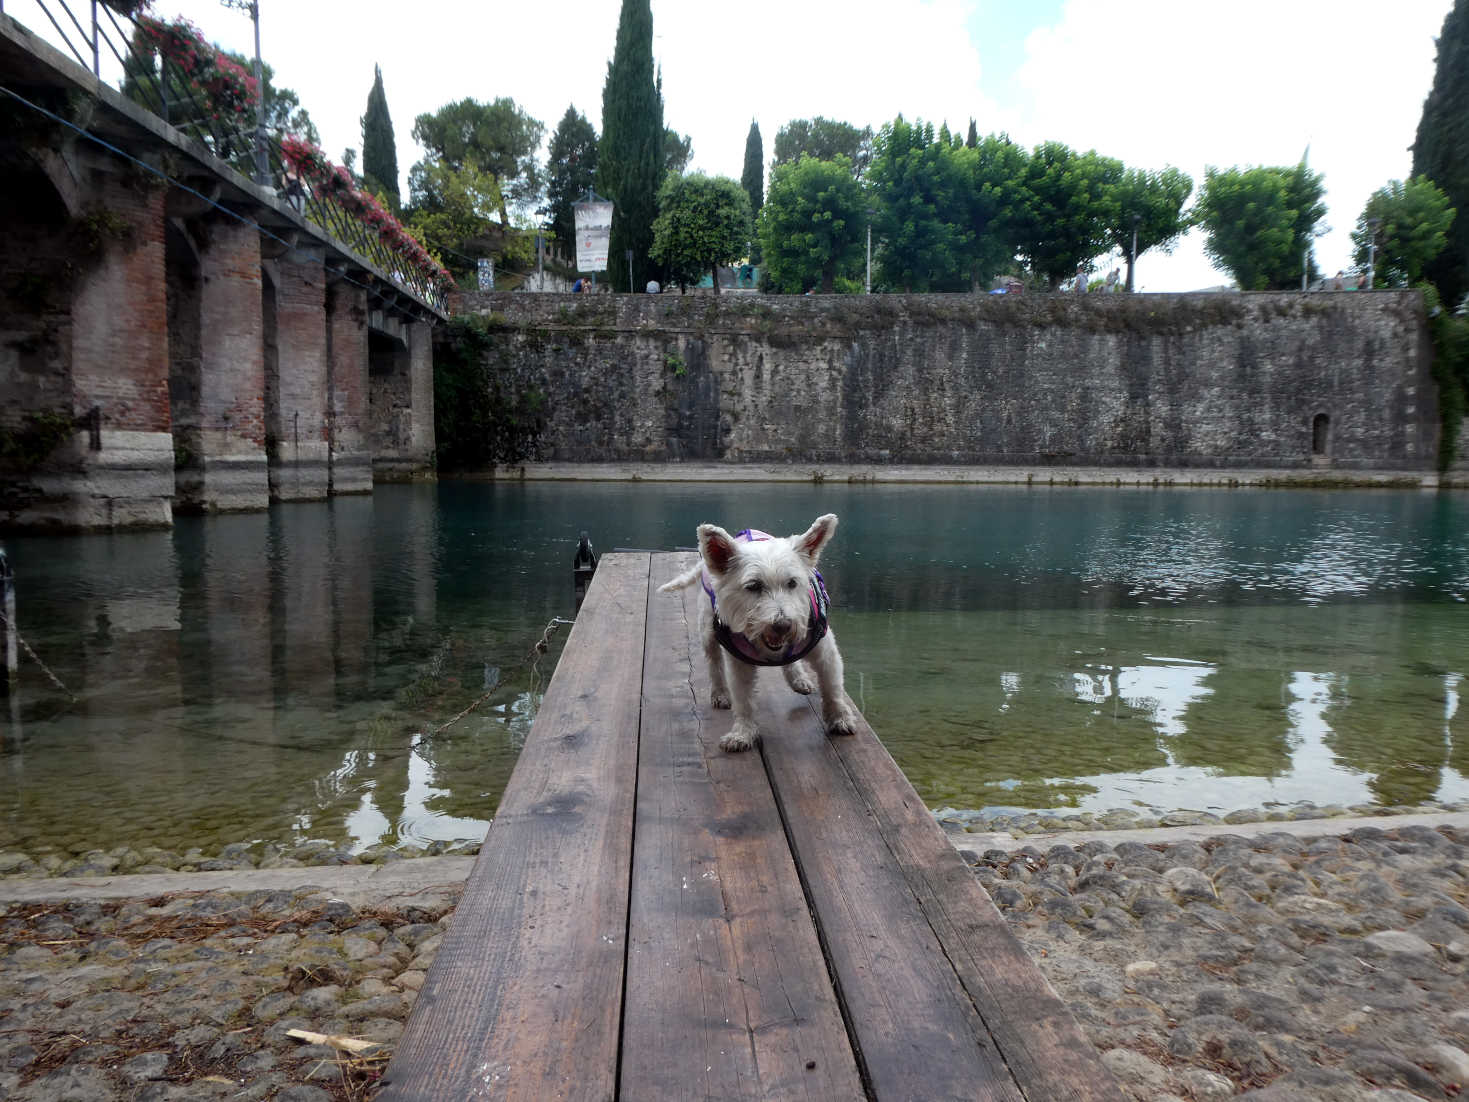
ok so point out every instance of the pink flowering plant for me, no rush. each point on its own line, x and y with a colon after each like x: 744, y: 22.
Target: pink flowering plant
x: 329, y: 181
x: 227, y: 91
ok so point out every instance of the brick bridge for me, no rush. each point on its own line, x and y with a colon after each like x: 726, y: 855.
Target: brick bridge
x: 174, y: 335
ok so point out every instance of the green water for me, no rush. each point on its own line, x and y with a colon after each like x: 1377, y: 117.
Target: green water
x: 283, y: 676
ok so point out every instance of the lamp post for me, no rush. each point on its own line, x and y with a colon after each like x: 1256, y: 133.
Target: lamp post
x: 631, y: 287
x: 1132, y: 256
x: 867, y: 285
x: 262, y: 162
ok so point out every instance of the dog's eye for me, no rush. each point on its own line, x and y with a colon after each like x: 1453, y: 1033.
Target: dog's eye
x: 755, y: 586
x: 790, y: 583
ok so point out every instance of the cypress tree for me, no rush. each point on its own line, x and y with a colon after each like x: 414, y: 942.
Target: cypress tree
x: 753, y: 181
x: 630, y: 157
x: 379, y: 151
x: 1441, y: 149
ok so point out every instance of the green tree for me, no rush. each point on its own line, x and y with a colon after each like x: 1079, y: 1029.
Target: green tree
x: 1441, y: 148
x: 922, y: 199
x: 1410, y: 224
x: 571, y: 167
x: 495, y: 138
x: 1072, y: 202
x: 972, y: 138
x: 450, y: 209
x: 812, y: 226
x: 630, y: 158
x: 379, y: 148
x: 1259, y: 221
x: 678, y: 151
x: 753, y: 179
x: 1152, y: 203
x: 824, y: 139
x: 703, y: 222
x: 997, y: 204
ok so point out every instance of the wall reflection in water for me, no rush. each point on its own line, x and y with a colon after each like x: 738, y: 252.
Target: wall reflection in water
x: 292, y: 675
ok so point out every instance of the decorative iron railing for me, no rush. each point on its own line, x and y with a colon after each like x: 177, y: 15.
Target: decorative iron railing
x: 171, y: 70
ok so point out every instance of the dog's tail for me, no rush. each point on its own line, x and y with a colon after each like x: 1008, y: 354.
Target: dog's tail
x: 687, y: 578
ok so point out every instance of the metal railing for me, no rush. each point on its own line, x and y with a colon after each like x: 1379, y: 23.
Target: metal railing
x: 108, y: 39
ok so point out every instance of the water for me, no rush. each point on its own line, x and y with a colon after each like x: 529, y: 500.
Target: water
x: 292, y: 675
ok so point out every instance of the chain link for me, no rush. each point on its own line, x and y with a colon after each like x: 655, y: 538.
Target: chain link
x: 36, y: 659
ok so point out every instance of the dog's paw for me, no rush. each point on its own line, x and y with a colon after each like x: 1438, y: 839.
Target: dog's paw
x: 841, y: 723
x: 719, y: 698
x: 735, y: 741
x: 801, y: 684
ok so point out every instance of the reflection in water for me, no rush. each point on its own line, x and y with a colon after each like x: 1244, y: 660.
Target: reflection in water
x: 292, y: 675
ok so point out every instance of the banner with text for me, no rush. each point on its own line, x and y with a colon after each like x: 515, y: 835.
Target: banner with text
x: 593, y: 235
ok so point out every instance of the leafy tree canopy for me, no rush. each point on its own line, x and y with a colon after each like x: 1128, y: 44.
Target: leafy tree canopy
x: 998, y: 203
x: 1441, y: 148
x: 678, y: 151
x: 1259, y: 222
x: 1410, y: 222
x: 752, y: 179
x: 923, y: 213
x: 1072, y: 203
x: 1152, y: 202
x: 379, y: 147
x: 813, y: 225
x: 824, y: 139
x: 571, y: 167
x: 703, y: 222
x: 495, y: 138
x: 449, y: 208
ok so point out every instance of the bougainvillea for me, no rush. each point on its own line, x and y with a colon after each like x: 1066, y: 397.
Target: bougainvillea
x: 224, y: 86
x: 333, y: 182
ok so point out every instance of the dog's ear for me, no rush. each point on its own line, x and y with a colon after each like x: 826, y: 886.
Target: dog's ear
x: 717, y: 547
x: 810, y: 542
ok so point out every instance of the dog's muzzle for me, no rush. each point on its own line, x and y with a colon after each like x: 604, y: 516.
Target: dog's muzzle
x: 789, y: 650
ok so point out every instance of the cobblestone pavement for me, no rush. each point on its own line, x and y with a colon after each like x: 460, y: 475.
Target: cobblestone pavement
x: 1271, y: 967
x: 1268, y: 967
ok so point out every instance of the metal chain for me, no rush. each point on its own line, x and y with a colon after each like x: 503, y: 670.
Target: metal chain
x: 36, y: 659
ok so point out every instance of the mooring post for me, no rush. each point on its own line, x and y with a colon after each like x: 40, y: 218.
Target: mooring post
x: 583, y: 566
x: 7, y: 609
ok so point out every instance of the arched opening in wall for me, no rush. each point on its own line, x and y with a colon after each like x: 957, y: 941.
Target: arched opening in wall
x: 37, y: 276
x: 270, y: 342
x: 185, y: 366
x: 1320, y: 438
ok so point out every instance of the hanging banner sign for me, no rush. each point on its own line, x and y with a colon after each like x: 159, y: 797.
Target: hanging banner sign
x: 593, y: 235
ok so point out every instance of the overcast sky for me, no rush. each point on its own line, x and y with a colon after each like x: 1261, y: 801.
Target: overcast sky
x: 1152, y: 82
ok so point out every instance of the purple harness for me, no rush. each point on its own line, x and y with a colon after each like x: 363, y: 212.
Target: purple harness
x: 741, y: 647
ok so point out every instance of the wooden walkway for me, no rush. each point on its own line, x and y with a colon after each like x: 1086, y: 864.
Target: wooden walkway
x: 653, y: 918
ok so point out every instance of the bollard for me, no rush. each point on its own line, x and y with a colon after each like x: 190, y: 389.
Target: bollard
x: 7, y: 609
x: 583, y: 566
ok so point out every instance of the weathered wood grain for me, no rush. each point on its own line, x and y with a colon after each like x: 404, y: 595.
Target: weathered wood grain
x: 1036, y: 1035
x: 524, y: 997
x: 727, y: 994
x: 917, y: 1032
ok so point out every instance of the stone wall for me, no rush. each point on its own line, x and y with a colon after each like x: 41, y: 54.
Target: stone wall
x: 1205, y: 380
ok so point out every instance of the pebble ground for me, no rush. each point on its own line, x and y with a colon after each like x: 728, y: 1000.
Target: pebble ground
x: 1268, y: 967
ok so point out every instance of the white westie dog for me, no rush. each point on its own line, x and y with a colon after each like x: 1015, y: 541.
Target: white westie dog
x: 767, y: 607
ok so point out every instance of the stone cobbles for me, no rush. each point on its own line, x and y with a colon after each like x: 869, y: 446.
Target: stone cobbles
x: 1266, y: 967
x: 192, y: 996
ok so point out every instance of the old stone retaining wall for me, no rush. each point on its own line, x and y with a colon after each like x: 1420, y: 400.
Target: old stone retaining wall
x: 1204, y: 380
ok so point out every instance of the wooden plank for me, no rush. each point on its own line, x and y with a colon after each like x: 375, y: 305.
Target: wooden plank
x: 917, y: 1033
x: 728, y: 996
x: 1040, y: 1041
x: 524, y: 997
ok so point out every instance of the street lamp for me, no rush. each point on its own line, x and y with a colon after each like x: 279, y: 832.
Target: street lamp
x: 868, y: 284
x: 262, y: 162
x: 1132, y: 256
